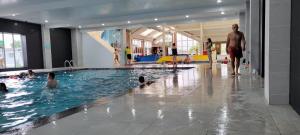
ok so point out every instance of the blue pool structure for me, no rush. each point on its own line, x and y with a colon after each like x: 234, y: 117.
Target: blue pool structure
x: 149, y: 58
x: 29, y: 100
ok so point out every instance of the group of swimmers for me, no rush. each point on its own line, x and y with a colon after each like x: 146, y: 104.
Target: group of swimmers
x: 51, y: 82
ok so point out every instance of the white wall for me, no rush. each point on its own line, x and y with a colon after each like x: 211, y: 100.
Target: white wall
x: 46, y: 47
x: 94, y: 54
x: 76, y: 47
x: 277, y: 51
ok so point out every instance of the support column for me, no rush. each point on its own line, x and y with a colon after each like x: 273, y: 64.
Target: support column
x: 125, y: 41
x: 76, y: 38
x: 254, y: 35
x: 164, y: 41
x: 247, y: 32
x: 46, y: 47
x: 202, y: 39
x: 277, y: 51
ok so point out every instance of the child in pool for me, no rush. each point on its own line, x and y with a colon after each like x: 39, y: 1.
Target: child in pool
x: 3, y: 88
x: 51, y: 83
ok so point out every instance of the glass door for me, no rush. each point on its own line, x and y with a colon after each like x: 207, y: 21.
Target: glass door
x: 2, y: 59
x: 9, y: 50
x: 18, y: 51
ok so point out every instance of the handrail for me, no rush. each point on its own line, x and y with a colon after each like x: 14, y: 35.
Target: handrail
x: 68, y: 62
x: 72, y: 63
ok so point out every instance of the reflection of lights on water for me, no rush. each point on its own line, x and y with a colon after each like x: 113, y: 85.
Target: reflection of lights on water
x: 17, y: 104
x: 16, y: 94
x: 160, y: 114
x: 17, y: 121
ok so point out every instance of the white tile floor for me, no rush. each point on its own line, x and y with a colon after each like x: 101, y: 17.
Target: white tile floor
x: 198, y: 101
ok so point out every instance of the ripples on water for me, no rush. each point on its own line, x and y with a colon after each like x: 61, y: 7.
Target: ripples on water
x: 29, y: 100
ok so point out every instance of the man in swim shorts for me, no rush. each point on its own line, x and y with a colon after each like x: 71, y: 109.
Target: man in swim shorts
x: 235, y: 46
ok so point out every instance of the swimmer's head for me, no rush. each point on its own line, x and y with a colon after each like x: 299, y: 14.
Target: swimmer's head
x: 141, y: 79
x: 51, y: 75
x: 22, y: 75
x: 3, y: 87
x: 30, y: 72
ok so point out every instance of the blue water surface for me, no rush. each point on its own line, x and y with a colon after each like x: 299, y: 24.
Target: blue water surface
x: 29, y: 100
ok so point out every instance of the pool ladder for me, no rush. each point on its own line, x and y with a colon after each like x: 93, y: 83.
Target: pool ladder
x: 69, y: 62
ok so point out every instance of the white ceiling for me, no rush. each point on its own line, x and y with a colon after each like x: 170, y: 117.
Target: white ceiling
x: 216, y: 30
x: 116, y: 13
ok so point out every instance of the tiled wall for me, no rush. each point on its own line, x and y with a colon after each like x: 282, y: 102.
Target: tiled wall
x: 277, y: 51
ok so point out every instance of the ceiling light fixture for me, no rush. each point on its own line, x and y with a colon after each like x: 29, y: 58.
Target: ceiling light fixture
x: 158, y: 26
x: 46, y: 21
x: 219, y: 1
x: 102, y: 24
x: 128, y: 22
x: 222, y: 13
x: 13, y: 15
x: 155, y: 19
x: 187, y: 16
x: 79, y: 26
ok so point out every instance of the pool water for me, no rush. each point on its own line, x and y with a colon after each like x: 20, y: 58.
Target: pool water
x: 29, y: 100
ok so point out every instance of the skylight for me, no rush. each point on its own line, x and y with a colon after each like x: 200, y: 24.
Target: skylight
x: 147, y: 32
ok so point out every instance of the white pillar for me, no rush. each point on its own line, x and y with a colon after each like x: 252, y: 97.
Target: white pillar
x: 277, y: 51
x: 247, y: 33
x: 76, y: 38
x: 124, y: 43
x: 254, y: 35
x: 46, y: 47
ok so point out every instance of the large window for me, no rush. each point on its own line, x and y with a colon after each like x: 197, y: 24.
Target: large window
x: 147, y: 48
x: 186, y: 45
x: 11, y: 50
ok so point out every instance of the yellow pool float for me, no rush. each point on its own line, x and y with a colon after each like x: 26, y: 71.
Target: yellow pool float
x: 194, y: 58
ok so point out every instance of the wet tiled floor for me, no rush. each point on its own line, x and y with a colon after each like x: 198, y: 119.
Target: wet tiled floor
x: 197, y: 101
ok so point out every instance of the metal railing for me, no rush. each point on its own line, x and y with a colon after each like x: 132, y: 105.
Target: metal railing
x: 70, y: 63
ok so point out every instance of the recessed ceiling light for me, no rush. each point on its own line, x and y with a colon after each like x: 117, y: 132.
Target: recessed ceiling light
x: 46, y: 21
x: 102, y: 24
x: 79, y: 26
x: 155, y: 19
x: 128, y: 22
x: 187, y: 16
x: 219, y: 1
x: 13, y: 15
x: 222, y: 13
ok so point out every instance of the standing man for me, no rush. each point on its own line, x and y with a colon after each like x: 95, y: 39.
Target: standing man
x: 174, y: 53
x: 235, y: 47
x: 128, y: 55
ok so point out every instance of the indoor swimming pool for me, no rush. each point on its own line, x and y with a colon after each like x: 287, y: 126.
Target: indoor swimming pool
x: 29, y: 100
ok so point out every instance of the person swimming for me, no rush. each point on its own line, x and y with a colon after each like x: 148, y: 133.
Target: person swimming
x: 3, y: 88
x: 30, y: 74
x: 143, y: 82
x: 51, y: 83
